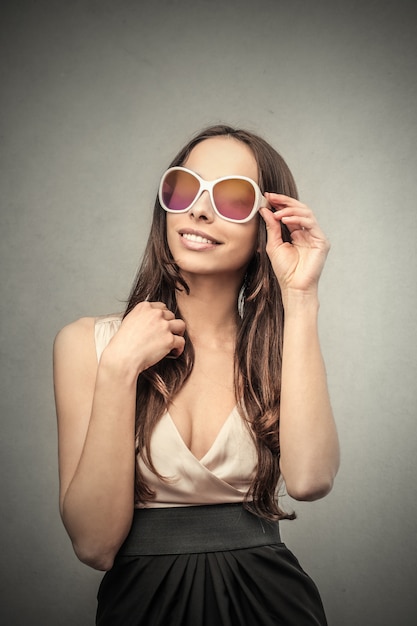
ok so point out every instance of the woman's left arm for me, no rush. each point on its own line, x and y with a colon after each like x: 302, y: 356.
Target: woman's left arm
x: 308, y: 437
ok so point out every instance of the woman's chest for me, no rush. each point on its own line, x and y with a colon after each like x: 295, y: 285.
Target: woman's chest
x: 202, y: 406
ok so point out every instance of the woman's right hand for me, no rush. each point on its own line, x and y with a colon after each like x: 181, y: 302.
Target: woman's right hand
x: 147, y: 334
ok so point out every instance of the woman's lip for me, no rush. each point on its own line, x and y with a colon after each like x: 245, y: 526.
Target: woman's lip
x: 197, y: 234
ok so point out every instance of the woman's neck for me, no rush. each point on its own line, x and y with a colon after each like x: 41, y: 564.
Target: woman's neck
x: 210, y: 309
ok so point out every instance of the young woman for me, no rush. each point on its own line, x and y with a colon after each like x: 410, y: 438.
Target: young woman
x: 179, y: 419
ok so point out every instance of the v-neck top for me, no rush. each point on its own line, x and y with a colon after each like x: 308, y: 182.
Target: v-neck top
x: 223, y: 475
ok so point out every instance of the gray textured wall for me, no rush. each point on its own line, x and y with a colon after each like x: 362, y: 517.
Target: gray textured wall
x: 97, y: 96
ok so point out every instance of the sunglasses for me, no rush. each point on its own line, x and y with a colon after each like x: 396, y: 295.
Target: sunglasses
x: 234, y: 198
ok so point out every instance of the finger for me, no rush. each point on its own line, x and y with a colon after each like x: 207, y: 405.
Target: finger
x: 271, y: 218
x: 166, y: 313
x: 145, y: 305
x: 178, y: 349
x: 292, y: 213
x: 305, y: 232
x: 296, y: 222
x: 280, y: 199
x: 298, y: 217
x: 272, y: 223
x: 303, y: 221
x: 177, y: 327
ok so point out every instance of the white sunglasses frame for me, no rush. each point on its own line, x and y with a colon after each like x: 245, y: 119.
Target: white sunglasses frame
x: 208, y: 185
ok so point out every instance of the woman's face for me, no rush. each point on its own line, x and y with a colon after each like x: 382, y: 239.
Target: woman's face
x: 200, y: 241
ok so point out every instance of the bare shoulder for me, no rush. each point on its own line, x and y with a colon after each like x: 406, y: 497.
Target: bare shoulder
x: 79, y: 329
x: 75, y: 343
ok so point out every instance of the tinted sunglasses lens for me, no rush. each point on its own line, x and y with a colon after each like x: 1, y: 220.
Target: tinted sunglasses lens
x: 234, y: 198
x: 179, y: 190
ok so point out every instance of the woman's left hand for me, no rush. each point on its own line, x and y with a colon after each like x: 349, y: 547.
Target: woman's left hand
x: 297, y: 265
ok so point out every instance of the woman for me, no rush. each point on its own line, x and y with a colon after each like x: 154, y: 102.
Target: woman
x: 178, y: 420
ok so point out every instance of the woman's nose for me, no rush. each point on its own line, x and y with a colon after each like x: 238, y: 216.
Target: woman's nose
x: 202, y: 209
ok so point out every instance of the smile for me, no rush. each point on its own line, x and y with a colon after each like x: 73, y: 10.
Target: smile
x: 197, y: 238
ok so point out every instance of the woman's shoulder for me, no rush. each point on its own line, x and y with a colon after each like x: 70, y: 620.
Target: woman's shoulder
x: 78, y: 329
x: 87, y: 325
x: 74, y: 343
x: 84, y: 332
x: 74, y: 360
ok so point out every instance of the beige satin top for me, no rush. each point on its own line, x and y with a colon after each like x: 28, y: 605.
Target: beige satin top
x: 222, y: 475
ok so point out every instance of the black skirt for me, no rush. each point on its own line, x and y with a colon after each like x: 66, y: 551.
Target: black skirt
x: 215, y: 565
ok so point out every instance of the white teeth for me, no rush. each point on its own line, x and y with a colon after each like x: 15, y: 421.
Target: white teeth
x: 196, y: 238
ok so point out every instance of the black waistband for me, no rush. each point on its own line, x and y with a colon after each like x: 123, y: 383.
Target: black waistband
x: 209, y: 528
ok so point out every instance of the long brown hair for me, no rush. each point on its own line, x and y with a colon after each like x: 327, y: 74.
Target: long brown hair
x: 258, y: 351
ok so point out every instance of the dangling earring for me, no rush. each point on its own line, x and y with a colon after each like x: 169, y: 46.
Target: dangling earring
x: 241, y: 299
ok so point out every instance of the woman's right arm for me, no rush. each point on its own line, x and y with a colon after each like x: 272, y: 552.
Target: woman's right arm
x: 96, y: 424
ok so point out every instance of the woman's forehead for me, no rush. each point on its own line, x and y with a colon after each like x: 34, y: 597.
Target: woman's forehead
x: 222, y: 156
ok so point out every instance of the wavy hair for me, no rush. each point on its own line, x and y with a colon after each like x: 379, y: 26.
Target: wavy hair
x: 258, y: 351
